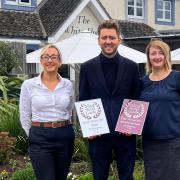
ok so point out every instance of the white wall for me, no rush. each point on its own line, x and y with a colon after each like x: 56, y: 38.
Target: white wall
x: 151, y: 16
x: 86, y: 20
x: 115, y: 8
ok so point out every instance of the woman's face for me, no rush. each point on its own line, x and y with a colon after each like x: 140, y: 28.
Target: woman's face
x: 50, y: 60
x: 157, y: 58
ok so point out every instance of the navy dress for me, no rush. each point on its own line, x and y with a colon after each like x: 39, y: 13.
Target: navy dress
x: 161, y: 133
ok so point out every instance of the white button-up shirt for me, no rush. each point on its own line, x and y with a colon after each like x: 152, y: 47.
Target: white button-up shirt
x: 38, y: 103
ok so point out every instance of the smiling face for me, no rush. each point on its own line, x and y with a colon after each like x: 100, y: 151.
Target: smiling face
x: 50, y: 60
x: 156, y: 57
x: 109, y: 41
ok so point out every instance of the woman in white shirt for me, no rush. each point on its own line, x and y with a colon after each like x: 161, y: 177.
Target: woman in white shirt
x: 46, y: 104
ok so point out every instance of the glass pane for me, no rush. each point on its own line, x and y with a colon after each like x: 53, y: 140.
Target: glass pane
x: 130, y: 11
x: 25, y: 1
x: 167, y: 15
x: 167, y: 5
x: 139, y: 3
x: 160, y: 4
x: 160, y: 14
x: 139, y: 12
x: 131, y: 2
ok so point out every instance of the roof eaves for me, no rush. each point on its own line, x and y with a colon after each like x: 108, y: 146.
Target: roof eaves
x: 104, y: 9
x: 42, y: 27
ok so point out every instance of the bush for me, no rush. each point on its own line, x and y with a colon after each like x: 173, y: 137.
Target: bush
x: 6, y: 145
x: 79, y: 168
x: 24, y: 174
x: 12, y: 86
x: 8, y: 59
x: 87, y: 176
x: 139, y: 153
x: 9, y: 113
x: 81, y: 147
x: 10, y: 122
x: 139, y: 171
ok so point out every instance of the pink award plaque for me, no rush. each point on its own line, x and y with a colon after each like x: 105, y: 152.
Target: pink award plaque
x: 132, y: 116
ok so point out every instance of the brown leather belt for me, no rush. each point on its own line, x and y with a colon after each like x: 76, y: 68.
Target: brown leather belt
x: 51, y: 124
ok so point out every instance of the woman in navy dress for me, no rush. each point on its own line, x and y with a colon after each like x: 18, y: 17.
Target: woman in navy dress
x: 161, y: 133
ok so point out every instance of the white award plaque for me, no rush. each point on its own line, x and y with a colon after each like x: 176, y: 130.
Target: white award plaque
x: 92, y: 117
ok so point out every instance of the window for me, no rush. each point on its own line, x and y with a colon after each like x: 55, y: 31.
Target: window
x: 17, y: 2
x: 135, y: 9
x: 24, y: 1
x: 164, y: 10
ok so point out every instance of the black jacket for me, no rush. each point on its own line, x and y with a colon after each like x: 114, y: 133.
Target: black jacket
x: 93, y: 85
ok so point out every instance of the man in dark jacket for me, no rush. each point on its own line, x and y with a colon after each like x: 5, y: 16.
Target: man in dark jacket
x: 112, y: 78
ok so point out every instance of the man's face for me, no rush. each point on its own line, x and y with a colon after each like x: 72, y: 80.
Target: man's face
x: 109, y: 41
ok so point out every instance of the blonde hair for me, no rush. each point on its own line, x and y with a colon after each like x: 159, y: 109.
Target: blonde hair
x: 165, y: 49
x: 51, y: 46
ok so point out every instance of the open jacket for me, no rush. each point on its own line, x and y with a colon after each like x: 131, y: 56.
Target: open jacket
x: 93, y: 85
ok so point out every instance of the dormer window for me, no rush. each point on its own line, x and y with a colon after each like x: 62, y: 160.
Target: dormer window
x: 19, y: 2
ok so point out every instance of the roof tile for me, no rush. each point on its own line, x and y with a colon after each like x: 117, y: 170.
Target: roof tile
x: 54, y: 13
x: 20, y: 24
x: 131, y: 29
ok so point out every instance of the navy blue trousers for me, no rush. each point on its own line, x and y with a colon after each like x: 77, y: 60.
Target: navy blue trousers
x: 50, y: 151
x: 101, y: 150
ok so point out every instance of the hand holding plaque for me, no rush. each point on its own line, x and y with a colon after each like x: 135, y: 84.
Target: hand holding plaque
x: 92, y: 117
x: 132, y: 116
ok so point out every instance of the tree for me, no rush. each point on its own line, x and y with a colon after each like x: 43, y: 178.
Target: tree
x: 8, y: 59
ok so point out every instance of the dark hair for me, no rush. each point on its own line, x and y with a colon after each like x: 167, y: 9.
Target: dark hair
x: 109, y: 24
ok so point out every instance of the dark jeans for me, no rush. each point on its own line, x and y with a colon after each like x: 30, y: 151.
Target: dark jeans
x: 51, y: 150
x: 124, y: 149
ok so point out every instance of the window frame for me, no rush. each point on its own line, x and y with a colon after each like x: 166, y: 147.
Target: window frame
x: 24, y: 3
x: 135, y: 10
x: 17, y: 2
x: 11, y: 2
x: 164, y: 19
x: 166, y: 22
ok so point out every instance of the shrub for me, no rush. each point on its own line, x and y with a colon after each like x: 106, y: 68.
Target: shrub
x: 139, y: 171
x: 9, y: 121
x: 8, y: 59
x: 12, y: 87
x: 24, y: 174
x: 4, y: 175
x: 139, y: 153
x: 81, y: 147
x: 87, y: 176
x: 6, y: 145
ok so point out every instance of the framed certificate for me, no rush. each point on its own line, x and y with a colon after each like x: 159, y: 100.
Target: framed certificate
x: 92, y: 117
x: 132, y: 116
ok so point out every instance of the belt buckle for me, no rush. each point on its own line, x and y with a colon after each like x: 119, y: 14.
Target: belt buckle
x: 53, y: 124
